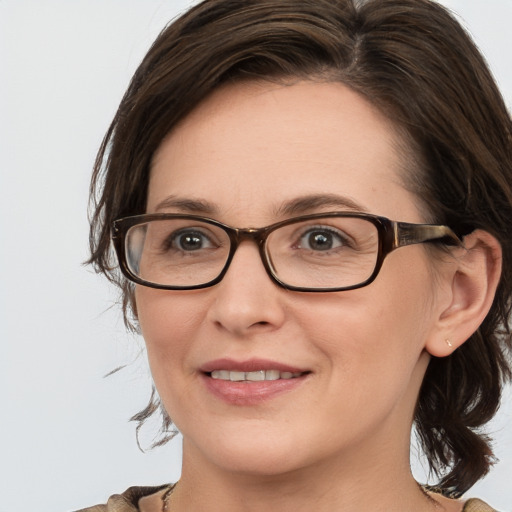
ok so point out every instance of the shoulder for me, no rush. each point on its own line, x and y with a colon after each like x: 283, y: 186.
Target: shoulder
x: 453, y: 503
x: 476, y: 505
x: 127, y: 501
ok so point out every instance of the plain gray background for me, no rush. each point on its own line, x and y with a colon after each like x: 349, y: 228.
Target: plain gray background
x: 65, y: 439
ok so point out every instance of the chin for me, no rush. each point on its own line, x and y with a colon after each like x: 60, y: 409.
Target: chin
x: 255, y: 454
x: 260, y: 466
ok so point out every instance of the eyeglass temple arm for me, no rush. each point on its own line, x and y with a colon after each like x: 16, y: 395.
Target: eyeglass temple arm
x: 408, y: 234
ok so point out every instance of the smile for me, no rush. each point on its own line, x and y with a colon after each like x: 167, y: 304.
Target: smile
x: 252, y: 381
x: 254, y: 376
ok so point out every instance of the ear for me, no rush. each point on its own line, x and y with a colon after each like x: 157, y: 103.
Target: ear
x: 473, y: 280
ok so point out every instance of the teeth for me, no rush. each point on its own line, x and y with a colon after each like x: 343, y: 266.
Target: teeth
x: 272, y: 375
x: 253, y: 376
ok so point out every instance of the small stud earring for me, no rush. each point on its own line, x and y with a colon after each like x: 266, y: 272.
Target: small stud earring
x: 448, y: 342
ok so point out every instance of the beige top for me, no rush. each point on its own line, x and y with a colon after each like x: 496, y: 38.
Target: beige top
x: 128, y: 501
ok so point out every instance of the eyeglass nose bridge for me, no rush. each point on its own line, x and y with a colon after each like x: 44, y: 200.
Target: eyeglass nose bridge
x: 259, y: 237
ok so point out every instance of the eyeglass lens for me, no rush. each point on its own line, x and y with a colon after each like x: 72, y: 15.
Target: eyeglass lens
x: 329, y: 252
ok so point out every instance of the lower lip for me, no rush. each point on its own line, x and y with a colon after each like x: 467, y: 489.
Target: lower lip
x: 250, y: 393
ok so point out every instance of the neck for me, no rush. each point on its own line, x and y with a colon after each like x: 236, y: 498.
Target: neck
x: 323, y: 487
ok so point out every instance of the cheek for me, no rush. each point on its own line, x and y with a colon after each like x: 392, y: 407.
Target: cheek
x: 375, y: 334
x: 168, y: 322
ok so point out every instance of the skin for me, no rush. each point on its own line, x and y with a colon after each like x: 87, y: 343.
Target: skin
x: 340, y: 439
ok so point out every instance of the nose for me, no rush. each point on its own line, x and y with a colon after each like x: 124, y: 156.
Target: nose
x: 247, y: 300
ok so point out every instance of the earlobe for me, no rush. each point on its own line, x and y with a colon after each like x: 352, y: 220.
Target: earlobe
x: 474, y: 280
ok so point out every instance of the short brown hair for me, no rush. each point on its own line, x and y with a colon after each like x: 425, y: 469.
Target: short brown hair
x: 412, y: 60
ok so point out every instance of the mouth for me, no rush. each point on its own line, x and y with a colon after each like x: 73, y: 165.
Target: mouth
x: 254, y: 376
x: 251, y: 382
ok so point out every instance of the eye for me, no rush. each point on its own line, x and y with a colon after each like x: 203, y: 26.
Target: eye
x: 188, y: 240
x: 321, y: 239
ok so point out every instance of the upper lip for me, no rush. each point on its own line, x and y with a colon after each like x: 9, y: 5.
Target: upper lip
x: 250, y: 365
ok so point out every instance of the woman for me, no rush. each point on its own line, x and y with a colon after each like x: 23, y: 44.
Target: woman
x: 295, y: 334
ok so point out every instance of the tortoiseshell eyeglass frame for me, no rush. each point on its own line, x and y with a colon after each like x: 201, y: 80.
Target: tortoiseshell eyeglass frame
x: 392, y: 235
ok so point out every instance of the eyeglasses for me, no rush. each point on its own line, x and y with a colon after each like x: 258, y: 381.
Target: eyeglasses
x: 312, y: 253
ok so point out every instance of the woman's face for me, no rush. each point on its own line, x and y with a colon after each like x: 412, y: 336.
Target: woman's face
x: 247, y: 154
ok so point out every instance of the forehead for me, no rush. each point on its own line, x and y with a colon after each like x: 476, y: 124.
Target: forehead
x: 254, y: 145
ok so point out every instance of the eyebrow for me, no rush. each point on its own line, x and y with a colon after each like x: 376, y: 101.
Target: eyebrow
x: 308, y: 203
x: 297, y: 206
x: 187, y: 205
